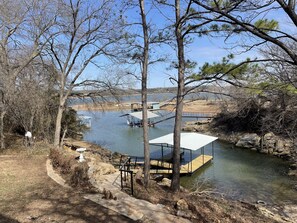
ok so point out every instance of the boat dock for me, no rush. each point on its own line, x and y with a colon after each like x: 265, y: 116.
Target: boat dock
x: 191, y: 144
x: 188, y: 168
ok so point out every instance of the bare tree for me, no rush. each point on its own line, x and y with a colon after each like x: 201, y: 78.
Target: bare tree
x: 22, y: 24
x: 145, y: 62
x: 33, y: 102
x: 87, y: 31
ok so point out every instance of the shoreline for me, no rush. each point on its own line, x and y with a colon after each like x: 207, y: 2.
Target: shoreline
x: 272, y: 211
x: 196, y: 106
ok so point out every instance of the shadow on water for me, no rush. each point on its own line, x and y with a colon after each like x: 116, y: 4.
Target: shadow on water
x: 238, y: 173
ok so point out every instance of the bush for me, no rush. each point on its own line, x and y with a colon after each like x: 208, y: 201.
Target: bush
x: 75, y: 174
x: 79, y: 175
x: 62, y: 161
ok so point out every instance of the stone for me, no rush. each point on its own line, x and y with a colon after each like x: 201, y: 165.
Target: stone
x: 291, y: 212
x: 182, y: 205
x: 184, y: 214
x: 292, y: 173
x: 108, y: 195
x: 158, y: 178
x: 249, y: 140
x: 165, y: 182
x: 138, y: 176
x: 280, y: 146
x: 101, y: 168
x: 269, y: 140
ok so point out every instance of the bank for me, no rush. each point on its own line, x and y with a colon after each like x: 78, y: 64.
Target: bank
x: 268, y: 143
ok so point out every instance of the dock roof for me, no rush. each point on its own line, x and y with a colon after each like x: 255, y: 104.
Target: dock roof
x: 138, y: 115
x: 189, y: 140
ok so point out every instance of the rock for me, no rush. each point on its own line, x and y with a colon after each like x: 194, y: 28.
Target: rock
x: 165, y: 182
x: 108, y: 195
x: 182, y: 205
x: 280, y: 146
x: 249, y: 140
x: 269, y: 143
x: 158, y: 178
x: 293, y: 166
x: 138, y: 176
x: 184, y: 214
x: 291, y: 212
x: 101, y: 168
x: 292, y: 173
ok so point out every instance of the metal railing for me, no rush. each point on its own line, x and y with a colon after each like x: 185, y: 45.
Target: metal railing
x: 125, y: 173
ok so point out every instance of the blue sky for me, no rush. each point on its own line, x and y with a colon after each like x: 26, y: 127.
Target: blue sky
x: 203, y: 49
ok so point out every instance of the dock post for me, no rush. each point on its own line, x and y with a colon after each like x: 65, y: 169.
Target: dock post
x: 203, y: 154
x: 121, y: 179
x: 191, y: 161
x: 131, y: 183
x: 212, y: 150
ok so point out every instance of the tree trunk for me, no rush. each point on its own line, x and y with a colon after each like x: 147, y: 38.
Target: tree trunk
x: 144, y: 95
x: 175, y: 183
x: 58, y: 125
x: 2, y: 114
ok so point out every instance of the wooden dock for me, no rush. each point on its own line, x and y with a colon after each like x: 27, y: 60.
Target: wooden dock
x: 188, y: 168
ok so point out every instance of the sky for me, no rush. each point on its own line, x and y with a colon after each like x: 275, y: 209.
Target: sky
x: 201, y: 50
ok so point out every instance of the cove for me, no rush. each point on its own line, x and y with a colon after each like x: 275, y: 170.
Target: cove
x: 235, y: 173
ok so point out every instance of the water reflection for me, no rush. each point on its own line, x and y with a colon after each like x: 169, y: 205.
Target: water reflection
x: 237, y: 173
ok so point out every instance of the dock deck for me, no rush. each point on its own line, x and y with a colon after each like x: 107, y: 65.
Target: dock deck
x: 187, y: 168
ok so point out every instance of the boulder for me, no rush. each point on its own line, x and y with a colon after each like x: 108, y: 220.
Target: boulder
x: 269, y: 143
x: 249, y: 140
x: 138, y: 176
x: 101, y: 168
x: 165, y: 182
x: 280, y: 146
x: 182, y: 205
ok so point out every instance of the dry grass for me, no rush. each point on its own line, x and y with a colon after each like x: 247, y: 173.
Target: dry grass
x: 204, y: 208
x: 27, y: 194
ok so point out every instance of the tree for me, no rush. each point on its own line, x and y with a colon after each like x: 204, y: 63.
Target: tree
x: 144, y: 71
x: 85, y: 31
x: 252, y: 22
x: 22, y: 24
x: 186, y: 22
x: 175, y: 183
x: 141, y: 46
x: 34, y: 100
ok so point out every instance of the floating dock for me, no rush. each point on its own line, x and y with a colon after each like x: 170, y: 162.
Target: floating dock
x: 188, y: 168
x: 190, y: 161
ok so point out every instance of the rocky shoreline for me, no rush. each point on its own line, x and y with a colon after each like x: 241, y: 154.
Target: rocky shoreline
x: 268, y: 143
x: 187, y: 204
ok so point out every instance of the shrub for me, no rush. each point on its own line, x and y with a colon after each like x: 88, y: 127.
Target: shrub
x: 79, y: 175
x: 75, y: 174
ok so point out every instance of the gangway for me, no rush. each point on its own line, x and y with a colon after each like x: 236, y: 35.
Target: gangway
x: 185, y: 115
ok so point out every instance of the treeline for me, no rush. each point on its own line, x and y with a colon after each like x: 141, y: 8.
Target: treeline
x: 53, y: 50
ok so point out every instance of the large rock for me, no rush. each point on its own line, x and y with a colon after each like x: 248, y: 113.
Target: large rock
x: 182, y: 205
x: 165, y: 182
x: 268, y: 143
x: 249, y: 140
x: 101, y: 168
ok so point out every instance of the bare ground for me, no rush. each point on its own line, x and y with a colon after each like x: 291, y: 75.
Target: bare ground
x: 27, y: 194
x: 197, y: 106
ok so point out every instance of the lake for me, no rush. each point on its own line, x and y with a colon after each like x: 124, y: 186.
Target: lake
x: 236, y: 173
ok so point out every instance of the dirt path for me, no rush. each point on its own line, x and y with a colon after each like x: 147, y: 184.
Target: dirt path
x: 27, y: 194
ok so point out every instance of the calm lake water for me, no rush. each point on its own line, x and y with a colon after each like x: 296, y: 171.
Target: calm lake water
x: 236, y: 173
